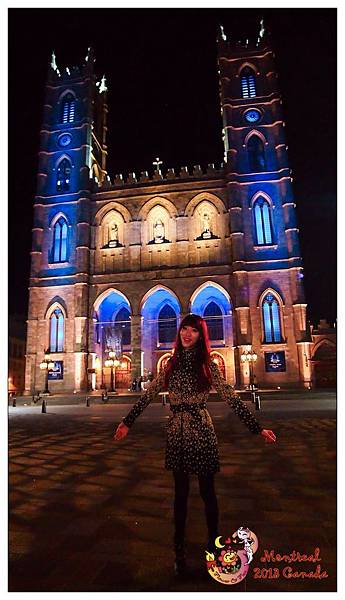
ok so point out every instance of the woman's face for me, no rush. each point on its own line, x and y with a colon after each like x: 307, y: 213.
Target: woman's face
x: 189, y: 336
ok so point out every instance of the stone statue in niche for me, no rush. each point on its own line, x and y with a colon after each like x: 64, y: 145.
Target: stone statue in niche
x: 206, y: 232
x: 113, y: 236
x: 158, y: 233
x: 205, y: 226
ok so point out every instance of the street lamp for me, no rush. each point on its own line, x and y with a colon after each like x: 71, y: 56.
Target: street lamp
x: 112, y: 362
x: 46, y: 365
x: 251, y: 357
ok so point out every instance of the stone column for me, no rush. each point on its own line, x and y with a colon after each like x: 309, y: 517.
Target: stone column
x: 300, y: 320
x: 306, y: 374
x: 136, y: 345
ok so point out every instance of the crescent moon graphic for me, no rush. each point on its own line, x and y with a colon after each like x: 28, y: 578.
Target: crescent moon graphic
x: 218, y: 544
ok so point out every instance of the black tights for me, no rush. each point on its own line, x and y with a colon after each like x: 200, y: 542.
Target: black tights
x: 207, y: 492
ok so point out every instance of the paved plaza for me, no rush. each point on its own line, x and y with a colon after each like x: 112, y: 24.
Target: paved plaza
x: 91, y: 514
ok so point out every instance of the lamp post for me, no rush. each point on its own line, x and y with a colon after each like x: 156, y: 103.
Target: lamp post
x: 46, y: 365
x: 112, y: 362
x: 251, y: 357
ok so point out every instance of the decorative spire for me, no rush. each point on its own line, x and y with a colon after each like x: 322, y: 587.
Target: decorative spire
x: 53, y: 64
x: 222, y: 34
x: 261, y: 32
x: 90, y: 55
x: 102, y: 85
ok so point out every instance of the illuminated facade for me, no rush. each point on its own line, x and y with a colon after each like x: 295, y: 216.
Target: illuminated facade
x: 116, y: 264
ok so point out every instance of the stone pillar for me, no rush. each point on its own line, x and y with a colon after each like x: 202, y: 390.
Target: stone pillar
x: 300, y: 320
x: 80, y: 372
x: 304, y: 363
x: 243, y: 325
x: 182, y: 228
x: 182, y: 254
x: 30, y: 366
x: 239, y: 379
x: 136, y: 345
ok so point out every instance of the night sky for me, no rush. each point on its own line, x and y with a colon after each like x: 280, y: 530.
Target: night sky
x: 163, y: 99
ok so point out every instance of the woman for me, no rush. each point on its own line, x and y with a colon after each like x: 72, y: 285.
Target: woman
x: 191, y: 445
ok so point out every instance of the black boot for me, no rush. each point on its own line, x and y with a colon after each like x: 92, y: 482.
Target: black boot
x: 180, y: 566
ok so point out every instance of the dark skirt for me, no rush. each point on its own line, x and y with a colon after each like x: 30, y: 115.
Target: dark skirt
x: 191, y: 443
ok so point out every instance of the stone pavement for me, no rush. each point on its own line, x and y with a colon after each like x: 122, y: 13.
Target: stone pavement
x: 90, y: 514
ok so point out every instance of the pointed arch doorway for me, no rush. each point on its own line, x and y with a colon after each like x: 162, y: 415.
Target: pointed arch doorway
x: 219, y: 360
x: 162, y: 361
x: 112, y: 333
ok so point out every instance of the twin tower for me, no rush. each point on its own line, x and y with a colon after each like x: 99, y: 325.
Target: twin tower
x: 116, y: 263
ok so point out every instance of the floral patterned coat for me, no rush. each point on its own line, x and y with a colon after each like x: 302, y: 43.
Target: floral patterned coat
x: 191, y: 441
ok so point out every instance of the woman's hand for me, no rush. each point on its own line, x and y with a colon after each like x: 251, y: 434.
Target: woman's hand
x: 121, y: 431
x: 269, y: 436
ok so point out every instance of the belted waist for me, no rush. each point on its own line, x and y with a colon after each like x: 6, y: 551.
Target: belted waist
x: 189, y: 407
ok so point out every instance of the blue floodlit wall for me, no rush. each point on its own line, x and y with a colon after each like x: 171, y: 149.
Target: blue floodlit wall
x: 110, y: 306
x: 206, y: 295
x: 212, y: 293
x: 155, y: 302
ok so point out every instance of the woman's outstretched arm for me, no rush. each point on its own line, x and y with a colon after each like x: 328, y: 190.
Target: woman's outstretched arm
x: 228, y: 394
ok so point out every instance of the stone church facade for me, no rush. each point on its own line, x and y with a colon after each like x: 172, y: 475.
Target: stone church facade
x: 117, y: 263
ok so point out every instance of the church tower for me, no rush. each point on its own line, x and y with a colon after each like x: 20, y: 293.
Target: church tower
x: 72, y: 156
x: 267, y: 264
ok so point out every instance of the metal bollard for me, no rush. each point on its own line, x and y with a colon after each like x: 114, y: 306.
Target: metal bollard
x: 87, y: 401
x: 44, y: 405
x: 257, y: 402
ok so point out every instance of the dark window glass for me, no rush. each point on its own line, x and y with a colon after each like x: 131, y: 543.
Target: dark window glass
x: 256, y: 154
x: 271, y: 318
x: 123, y: 319
x: 263, y: 222
x: 214, y: 319
x: 167, y: 325
x: 63, y: 176
x: 60, y: 241
x: 56, y: 331
x: 248, y: 83
x: 68, y: 109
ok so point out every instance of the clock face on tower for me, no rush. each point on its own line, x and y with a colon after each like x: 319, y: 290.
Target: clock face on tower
x: 64, y: 139
x: 252, y: 116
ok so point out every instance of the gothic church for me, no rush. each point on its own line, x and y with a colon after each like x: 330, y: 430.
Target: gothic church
x: 116, y: 263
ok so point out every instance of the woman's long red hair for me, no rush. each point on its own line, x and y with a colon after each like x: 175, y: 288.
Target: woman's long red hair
x: 203, y: 350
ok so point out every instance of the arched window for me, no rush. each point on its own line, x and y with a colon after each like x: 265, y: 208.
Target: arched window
x: 60, y: 240
x: 214, y: 319
x: 123, y: 319
x: 248, y: 83
x: 56, y: 333
x: 256, y: 154
x: 63, y: 175
x: 68, y: 109
x: 167, y: 325
x: 263, y: 222
x: 271, y: 319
